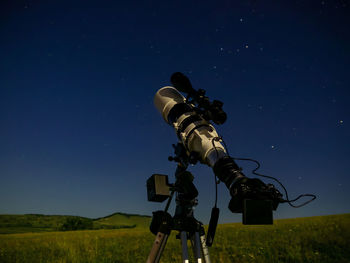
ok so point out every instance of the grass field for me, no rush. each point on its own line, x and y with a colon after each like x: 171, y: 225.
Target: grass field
x: 14, y: 224
x: 316, y: 239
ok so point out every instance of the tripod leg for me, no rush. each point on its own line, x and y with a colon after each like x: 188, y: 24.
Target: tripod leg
x: 196, y: 246
x: 205, y: 251
x: 183, y: 235
x: 157, y: 248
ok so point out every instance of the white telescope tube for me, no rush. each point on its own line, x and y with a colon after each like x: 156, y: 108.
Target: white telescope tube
x: 165, y: 99
x: 196, y: 134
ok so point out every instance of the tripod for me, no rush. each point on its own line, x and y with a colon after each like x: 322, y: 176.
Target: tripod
x: 183, y: 221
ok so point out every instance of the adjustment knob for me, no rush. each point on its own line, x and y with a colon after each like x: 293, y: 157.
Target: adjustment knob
x: 175, y: 159
x: 193, y: 158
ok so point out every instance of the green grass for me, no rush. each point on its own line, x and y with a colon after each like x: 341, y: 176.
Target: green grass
x: 30, y: 223
x: 316, y: 239
x: 11, y: 224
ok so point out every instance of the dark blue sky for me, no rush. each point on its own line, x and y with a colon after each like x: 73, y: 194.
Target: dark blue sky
x: 78, y: 130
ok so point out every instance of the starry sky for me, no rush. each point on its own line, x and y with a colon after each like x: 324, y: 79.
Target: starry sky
x: 79, y: 134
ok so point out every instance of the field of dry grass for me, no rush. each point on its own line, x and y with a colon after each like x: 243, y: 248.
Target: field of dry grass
x: 316, y: 239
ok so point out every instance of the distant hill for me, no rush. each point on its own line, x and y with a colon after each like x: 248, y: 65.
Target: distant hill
x: 123, y: 220
x: 43, y: 223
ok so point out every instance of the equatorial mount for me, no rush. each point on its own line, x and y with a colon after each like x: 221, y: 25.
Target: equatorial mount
x: 183, y: 220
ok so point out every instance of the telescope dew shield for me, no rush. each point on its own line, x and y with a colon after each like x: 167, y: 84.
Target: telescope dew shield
x: 196, y: 133
x: 165, y: 99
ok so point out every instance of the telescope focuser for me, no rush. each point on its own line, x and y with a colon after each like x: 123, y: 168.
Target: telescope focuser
x: 250, y: 196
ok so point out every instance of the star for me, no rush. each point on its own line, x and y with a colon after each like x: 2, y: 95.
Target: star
x: 272, y: 146
x: 341, y: 121
x: 241, y: 20
x: 246, y: 46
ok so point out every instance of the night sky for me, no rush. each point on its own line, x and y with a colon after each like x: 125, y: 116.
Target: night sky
x: 79, y: 134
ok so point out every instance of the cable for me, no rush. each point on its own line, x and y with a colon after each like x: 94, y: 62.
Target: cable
x: 212, y: 141
x: 313, y: 197
x: 216, y: 191
x: 216, y: 182
x: 219, y: 138
x: 287, y: 200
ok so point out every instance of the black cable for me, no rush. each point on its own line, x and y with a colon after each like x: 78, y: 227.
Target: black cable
x: 313, y: 197
x: 216, y: 182
x: 219, y: 139
x: 216, y: 191
x: 212, y: 141
x: 224, y: 145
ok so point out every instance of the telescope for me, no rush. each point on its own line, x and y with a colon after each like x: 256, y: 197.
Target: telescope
x: 192, y: 118
x: 191, y: 122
